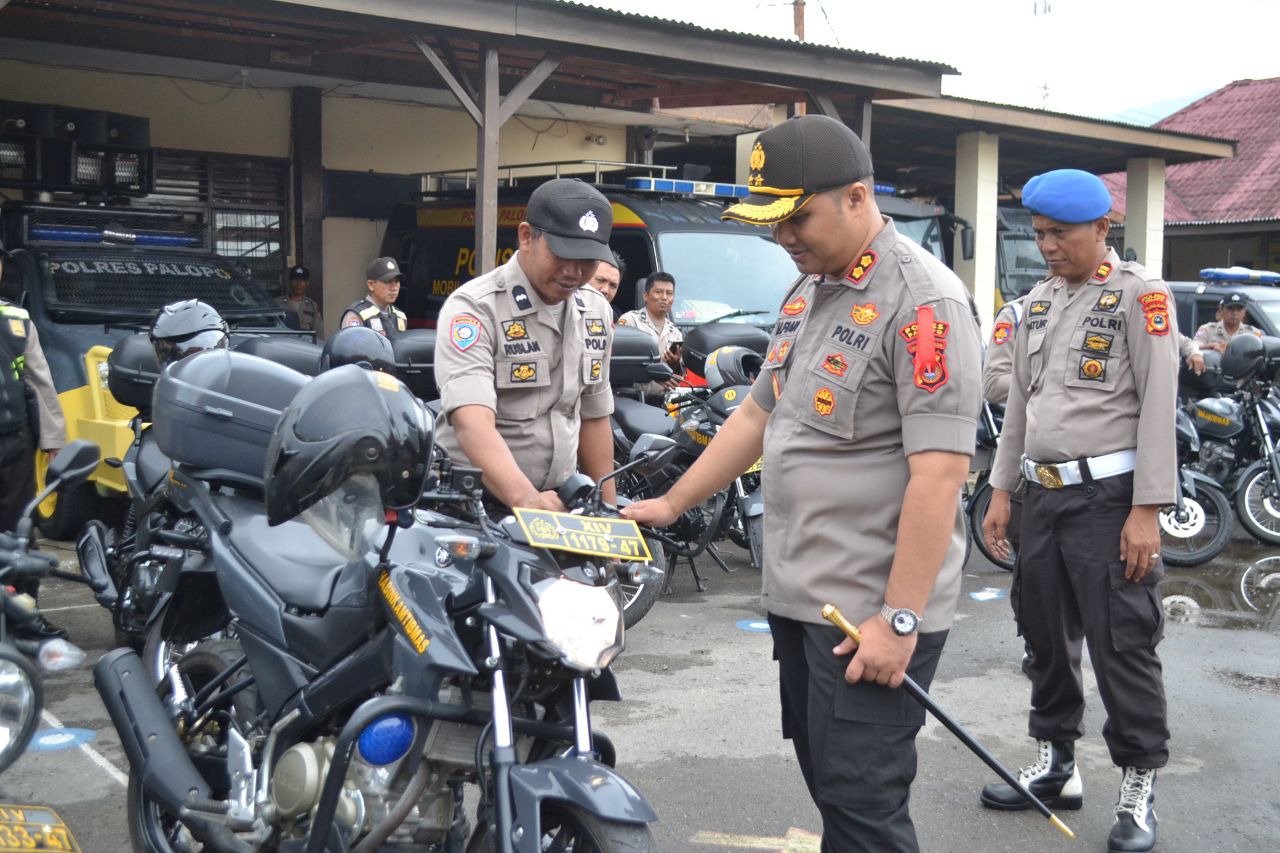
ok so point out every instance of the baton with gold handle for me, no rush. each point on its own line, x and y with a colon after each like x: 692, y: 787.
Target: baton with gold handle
x: 833, y: 615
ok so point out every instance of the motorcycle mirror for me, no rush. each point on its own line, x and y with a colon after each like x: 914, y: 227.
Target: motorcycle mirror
x: 658, y: 372
x: 576, y: 490
x: 651, y: 452
x: 20, y: 695
x: 74, y: 463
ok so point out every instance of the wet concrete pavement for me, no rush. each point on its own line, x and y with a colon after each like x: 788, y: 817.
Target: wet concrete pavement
x: 698, y: 731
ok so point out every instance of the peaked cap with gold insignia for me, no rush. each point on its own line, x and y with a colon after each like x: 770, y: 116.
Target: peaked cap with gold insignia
x: 794, y: 160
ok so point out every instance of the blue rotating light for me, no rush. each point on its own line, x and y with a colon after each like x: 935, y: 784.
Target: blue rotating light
x: 386, y: 740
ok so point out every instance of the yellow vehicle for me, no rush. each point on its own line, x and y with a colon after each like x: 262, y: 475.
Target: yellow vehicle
x: 88, y: 276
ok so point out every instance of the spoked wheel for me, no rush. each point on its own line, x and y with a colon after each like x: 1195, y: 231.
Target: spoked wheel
x: 1260, y: 584
x: 152, y: 829
x: 977, y: 511
x: 569, y: 829
x: 1258, y: 504
x: 1200, y: 532
x: 1184, y: 598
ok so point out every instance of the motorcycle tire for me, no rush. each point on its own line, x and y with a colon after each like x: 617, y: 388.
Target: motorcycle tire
x: 755, y: 541
x: 1260, y: 585
x: 978, y: 504
x: 1258, y: 505
x: 574, y: 830
x: 1204, y: 534
x: 638, y: 599
x: 151, y: 829
x: 19, y: 661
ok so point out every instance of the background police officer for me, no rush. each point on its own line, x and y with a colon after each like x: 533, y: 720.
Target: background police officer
x: 304, y: 308
x: 377, y: 310
x: 29, y: 410
x: 865, y: 411
x: 1215, y: 335
x: 1090, y: 426
x: 654, y: 319
x: 522, y: 357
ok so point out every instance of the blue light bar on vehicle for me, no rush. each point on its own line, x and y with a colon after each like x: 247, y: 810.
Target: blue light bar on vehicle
x: 707, y: 188
x: 1242, y: 275
x: 82, y: 234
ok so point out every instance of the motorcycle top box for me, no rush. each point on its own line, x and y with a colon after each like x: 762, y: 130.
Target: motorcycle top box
x: 633, y: 350
x: 415, y: 352
x: 132, y: 371
x: 218, y: 408
x: 701, y: 341
x: 295, y: 353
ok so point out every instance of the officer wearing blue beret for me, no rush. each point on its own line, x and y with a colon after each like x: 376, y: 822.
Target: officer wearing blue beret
x: 1089, y: 427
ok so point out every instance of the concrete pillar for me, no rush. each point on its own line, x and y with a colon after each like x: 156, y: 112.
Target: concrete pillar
x: 977, y: 184
x: 1144, y: 212
x: 308, y: 188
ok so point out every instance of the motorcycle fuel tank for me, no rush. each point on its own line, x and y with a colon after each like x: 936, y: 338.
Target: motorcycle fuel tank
x: 1218, y: 417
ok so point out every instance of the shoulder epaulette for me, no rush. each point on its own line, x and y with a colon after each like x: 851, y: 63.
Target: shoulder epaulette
x: 15, y: 312
x: 369, y: 313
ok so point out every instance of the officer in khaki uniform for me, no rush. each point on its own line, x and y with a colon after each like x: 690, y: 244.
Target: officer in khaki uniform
x: 866, y: 414
x: 303, y: 306
x: 30, y: 418
x: 1216, y: 334
x: 377, y: 310
x: 1090, y: 426
x: 522, y: 355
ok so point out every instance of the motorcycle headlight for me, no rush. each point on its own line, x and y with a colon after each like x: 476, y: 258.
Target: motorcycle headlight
x: 583, y: 622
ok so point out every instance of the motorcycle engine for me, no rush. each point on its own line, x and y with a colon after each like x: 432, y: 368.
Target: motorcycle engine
x: 1217, y: 460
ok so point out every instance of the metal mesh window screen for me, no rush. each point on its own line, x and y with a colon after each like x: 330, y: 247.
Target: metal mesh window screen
x: 246, y: 199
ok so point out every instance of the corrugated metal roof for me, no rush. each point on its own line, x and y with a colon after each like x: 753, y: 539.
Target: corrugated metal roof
x: 1244, y: 188
x: 687, y: 26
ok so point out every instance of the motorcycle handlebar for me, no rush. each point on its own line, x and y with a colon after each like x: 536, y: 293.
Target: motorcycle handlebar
x: 25, y: 566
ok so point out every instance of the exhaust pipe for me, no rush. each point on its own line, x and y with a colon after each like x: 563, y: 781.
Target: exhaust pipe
x: 91, y: 550
x: 156, y: 755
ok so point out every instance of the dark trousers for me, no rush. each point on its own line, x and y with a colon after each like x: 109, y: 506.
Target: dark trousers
x: 1068, y: 587
x: 17, y: 485
x: 855, y: 742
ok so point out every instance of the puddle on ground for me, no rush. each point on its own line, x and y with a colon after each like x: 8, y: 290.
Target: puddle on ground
x: 1252, y: 683
x: 1240, y: 589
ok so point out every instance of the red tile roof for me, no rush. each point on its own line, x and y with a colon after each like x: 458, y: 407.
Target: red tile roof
x: 1240, y: 189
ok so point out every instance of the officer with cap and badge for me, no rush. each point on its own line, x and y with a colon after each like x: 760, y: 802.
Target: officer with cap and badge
x: 866, y: 414
x: 1089, y: 426
x: 303, y: 307
x: 30, y: 418
x: 1217, y: 334
x: 522, y: 355
x: 378, y: 310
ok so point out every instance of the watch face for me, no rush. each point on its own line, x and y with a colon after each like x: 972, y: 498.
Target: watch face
x: 904, y: 622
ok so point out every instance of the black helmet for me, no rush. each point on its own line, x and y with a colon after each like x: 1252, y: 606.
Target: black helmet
x: 1244, y: 357
x: 345, y: 422
x: 361, y: 346
x: 182, y: 328
x: 732, y: 366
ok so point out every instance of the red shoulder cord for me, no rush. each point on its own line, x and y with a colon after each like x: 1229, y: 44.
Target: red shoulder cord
x: 925, y: 350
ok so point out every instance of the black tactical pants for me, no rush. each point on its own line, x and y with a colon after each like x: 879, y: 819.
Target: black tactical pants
x: 1069, y: 586
x: 17, y: 485
x: 855, y: 742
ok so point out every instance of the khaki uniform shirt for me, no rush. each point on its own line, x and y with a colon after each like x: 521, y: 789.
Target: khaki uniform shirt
x: 53, y: 425
x: 998, y: 369
x: 1216, y: 332
x: 541, y: 368
x: 668, y: 334
x: 309, y: 319
x: 847, y: 407
x: 1095, y: 372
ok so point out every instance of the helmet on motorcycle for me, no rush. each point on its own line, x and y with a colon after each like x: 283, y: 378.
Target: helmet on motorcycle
x: 1243, y: 357
x: 361, y: 346
x: 732, y: 366
x: 182, y: 328
x: 347, y: 422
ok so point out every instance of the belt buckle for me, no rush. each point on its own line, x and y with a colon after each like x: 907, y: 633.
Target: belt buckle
x: 1048, y: 476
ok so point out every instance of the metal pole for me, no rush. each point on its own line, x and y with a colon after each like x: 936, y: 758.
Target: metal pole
x: 835, y: 617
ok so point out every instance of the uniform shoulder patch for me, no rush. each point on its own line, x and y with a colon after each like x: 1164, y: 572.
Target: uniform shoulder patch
x: 1001, y: 333
x: 926, y: 344
x: 464, y: 331
x: 1155, y: 307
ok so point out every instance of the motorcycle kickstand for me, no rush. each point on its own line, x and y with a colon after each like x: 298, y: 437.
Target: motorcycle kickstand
x: 715, y: 555
x: 698, y: 580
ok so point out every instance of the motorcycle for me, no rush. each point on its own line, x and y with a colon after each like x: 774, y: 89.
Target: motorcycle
x: 21, y: 692
x: 365, y: 683
x: 1198, y: 526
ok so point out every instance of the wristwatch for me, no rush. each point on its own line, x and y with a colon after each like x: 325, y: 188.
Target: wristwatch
x: 902, y: 620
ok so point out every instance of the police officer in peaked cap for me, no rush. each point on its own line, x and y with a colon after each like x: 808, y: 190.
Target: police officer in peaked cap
x: 377, y: 310
x: 1089, y: 426
x: 303, y: 307
x: 866, y: 413
x: 522, y: 355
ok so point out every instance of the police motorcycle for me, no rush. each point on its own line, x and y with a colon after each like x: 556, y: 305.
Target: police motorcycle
x: 378, y: 665
x: 21, y: 661
x: 1197, y: 527
x: 1238, y: 434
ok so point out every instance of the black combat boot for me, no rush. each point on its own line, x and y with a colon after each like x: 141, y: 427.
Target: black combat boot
x: 38, y: 630
x: 1135, y: 828
x: 1054, y: 778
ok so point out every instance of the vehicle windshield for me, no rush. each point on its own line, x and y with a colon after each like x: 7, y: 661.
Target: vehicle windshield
x: 97, y: 285
x: 1271, y: 308
x: 1021, y: 263
x: 926, y: 232
x: 722, y: 274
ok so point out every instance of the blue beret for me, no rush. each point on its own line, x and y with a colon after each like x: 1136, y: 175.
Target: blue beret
x: 1067, y: 195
